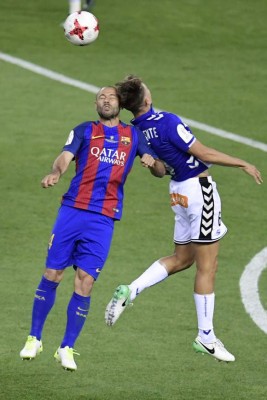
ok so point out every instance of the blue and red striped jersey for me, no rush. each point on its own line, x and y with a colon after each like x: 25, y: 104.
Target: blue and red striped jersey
x: 104, y: 157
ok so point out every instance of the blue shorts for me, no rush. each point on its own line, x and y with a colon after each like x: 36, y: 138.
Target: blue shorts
x: 80, y: 238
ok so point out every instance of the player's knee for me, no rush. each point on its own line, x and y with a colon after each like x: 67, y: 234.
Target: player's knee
x: 180, y: 264
x: 53, y: 275
x: 207, y: 269
x: 190, y: 261
x: 83, y: 283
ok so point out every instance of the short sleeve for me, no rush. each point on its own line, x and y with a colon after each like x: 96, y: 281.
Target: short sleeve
x: 74, y: 140
x: 179, y: 133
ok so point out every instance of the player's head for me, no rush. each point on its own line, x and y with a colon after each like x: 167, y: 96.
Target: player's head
x: 107, y: 103
x: 134, y: 95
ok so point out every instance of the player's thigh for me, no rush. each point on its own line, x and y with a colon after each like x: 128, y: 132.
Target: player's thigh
x: 63, y: 238
x: 93, y: 247
x: 182, y: 227
x: 181, y: 194
x: 185, y: 253
x: 206, y: 255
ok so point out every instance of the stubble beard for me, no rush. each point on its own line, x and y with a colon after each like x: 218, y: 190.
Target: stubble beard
x: 108, y: 115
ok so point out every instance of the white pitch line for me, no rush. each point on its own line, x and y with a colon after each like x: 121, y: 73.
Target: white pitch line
x: 249, y: 289
x: 94, y: 89
x: 48, y: 73
x: 226, y: 135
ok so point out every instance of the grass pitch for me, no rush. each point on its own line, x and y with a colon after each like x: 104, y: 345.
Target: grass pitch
x: 203, y: 60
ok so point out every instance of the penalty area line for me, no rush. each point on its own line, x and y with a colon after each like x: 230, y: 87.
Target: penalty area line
x: 94, y: 89
x: 249, y: 289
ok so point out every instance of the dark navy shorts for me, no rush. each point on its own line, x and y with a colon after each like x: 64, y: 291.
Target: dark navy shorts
x: 80, y: 238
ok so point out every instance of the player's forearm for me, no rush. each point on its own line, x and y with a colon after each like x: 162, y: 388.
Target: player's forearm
x: 211, y: 156
x: 60, y: 166
x: 158, y: 170
x: 216, y: 157
x: 61, y: 163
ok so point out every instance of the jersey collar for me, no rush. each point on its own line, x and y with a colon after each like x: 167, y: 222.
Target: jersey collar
x: 136, y: 121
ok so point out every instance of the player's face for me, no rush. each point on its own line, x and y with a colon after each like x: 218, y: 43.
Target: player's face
x: 107, y: 103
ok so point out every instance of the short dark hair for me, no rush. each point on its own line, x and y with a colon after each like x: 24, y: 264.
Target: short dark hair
x: 131, y: 93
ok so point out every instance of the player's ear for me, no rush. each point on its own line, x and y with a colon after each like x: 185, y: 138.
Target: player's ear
x: 147, y: 101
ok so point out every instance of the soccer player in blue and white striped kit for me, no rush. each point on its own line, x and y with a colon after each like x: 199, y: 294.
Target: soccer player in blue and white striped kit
x: 104, y: 152
x: 197, y: 207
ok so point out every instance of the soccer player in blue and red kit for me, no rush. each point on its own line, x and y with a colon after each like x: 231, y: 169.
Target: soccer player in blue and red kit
x: 104, y: 152
x: 197, y: 207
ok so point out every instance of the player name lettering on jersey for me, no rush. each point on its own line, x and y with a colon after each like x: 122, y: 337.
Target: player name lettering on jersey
x: 150, y: 133
x: 110, y: 156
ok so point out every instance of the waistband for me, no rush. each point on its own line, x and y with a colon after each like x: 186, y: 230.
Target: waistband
x: 201, y: 179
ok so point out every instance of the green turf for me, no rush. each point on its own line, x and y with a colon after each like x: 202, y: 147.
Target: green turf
x: 205, y: 60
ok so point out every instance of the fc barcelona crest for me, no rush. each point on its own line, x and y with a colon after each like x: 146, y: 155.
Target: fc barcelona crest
x: 125, y: 140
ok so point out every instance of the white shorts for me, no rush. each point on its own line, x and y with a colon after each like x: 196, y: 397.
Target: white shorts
x: 197, y: 207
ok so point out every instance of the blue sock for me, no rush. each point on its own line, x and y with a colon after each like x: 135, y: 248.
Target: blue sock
x: 77, y: 312
x: 44, y: 300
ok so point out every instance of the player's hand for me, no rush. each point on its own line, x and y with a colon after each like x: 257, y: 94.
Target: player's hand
x: 254, y: 172
x: 50, y: 180
x: 147, y: 161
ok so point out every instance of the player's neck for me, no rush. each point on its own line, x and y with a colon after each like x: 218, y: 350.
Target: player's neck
x: 110, y: 122
x: 142, y: 111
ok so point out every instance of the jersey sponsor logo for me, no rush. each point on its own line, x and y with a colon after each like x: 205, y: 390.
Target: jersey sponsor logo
x: 110, y: 156
x: 180, y: 199
x: 184, y: 134
x: 70, y: 138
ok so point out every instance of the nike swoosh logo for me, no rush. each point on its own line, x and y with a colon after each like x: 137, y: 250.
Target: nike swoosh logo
x: 98, y: 137
x: 211, y: 351
x: 81, y: 309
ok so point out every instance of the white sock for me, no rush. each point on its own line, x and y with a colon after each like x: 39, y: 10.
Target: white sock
x: 205, y: 309
x: 154, y: 274
x: 74, y: 5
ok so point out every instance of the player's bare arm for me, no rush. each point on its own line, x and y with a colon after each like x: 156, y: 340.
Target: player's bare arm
x: 158, y: 170
x: 209, y: 155
x: 60, y: 166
